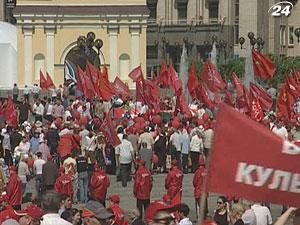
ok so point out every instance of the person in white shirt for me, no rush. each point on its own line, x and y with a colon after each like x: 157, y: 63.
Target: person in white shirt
x: 26, y: 93
x: 280, y: 130
x: 208, y: 137
x: 38, y: 109
x: 196, y: 146
x: 175, y: 140
x: 36, y: 90
x: 183, y: 213
x: 38, y: 171
x: 124, y: 158
x: 51, y: 204
x: 263, y: 215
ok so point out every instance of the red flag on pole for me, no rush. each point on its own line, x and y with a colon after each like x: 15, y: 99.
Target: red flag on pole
x: 256, y: 176
x: 50, y: 83
x: 296, y: 76
x: 202, y: 95
x: 106, y: 91
x: 43, y: 81
x: 10, y: 113
x: 193, y: 81
x: 164, y: 78
x: 228, y: 98
x: 283, y: 104
x: 92, y: 72
x: 85, y: 84
x: 262, y: 96
x: 79, y: 84
x: 238, y: 85
x: 263, y: 66
x: 256, y: 111
x: 121, y: 89
x: 140, y: 90
x: 136, y: 73
x: 176, y: 82
x: 292, y: 86
x: 109, y: 131
x: 212, y: 78
x: 151, y: 95
x: 182, y: 106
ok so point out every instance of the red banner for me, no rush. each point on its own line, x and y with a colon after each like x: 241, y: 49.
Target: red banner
x: 258, y: 165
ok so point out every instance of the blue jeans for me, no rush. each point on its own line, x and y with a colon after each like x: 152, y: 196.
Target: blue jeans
x: 83, y: 180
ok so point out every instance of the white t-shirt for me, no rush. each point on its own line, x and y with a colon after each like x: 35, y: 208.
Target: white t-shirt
x: 38, y: 166
x: 196, y: 144
x: 176, y: 141
x: 263, y: 215
x: 125, y: 152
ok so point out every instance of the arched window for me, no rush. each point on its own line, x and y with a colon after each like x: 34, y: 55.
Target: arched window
x: 124, y: 63
x: 39, y: 65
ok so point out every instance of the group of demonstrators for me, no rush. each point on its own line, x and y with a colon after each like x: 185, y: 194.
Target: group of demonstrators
x: 69, y: 146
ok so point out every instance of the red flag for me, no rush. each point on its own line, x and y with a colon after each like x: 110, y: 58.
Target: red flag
x: 283, y: 105
x: 151, y: 95
x: 92, y: 72
x: 247, y: 100
x: 256, y: 176
x: 256, y: 111
x: 262, y: 96
x: 43, y: 81
x: 10, y: 113
x: 182, y: 106
x: 238, y: 85
x: 106, y: 91
x: 136, y: 73
x: 228, y: 98
x: 50, y: 83
x: 121, y: 89
x: 140, y: 90
x: 263, y: 66
x: 202, y: 95
x: 85, y: 84
x: 212, y: 78
x: 193, y: 81
x: 164, y: 78
x: 109, y: 131
x: 292, y: 86
x: 176, y: 82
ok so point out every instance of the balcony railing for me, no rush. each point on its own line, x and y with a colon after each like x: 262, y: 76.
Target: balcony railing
x: 152, y: 21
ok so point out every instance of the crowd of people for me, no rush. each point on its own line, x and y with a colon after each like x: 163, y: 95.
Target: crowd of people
x: 60, y: 145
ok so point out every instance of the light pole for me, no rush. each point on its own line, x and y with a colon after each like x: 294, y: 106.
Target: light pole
x: 256, y: 43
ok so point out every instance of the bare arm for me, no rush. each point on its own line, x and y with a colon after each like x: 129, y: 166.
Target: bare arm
x: 283, y: 219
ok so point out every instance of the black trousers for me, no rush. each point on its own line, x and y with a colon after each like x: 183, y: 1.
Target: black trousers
x: 125, y: 170
x: 185, y: 158
x: 178, y: 158
x: 142, y: 205
x: 195, y: 160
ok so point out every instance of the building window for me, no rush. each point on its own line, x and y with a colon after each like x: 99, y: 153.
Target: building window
x: 153, y: 12
x: 182, y: 12
x: 39, y: 65
x: 236, y: 34
x: 237, y: 9
x: 291, y: 36
x: 124, y: 65
x: 152, y: 52
x: 213, y: 10
x: 282, y: 36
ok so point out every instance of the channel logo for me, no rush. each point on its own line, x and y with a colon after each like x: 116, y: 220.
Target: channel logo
x: 283, y: 8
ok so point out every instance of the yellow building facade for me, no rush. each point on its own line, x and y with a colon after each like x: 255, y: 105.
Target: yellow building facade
x: 48, y: 30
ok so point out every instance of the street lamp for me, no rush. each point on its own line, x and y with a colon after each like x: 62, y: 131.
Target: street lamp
x: 253, y: 41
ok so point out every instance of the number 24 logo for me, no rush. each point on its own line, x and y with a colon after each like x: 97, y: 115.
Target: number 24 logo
x: 281, y: 8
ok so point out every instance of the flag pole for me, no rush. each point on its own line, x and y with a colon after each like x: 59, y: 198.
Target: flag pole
x: 204, y: 194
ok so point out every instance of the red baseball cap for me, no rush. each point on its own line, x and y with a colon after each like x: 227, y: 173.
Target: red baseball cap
x: 33, y: 211
x: 115, y: 198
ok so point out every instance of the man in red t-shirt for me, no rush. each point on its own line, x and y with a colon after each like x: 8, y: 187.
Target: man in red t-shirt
x: 117, y: 210
x: 142, y: 187
x: 198, y: 181
x: 14, y: 189
x: 99, y: 184
x: 63, y: 184
x: 173, y: 182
